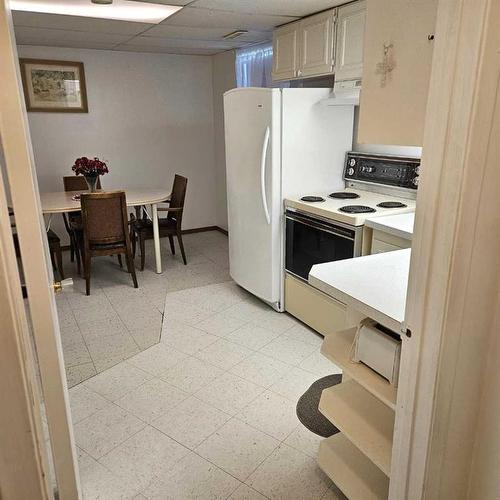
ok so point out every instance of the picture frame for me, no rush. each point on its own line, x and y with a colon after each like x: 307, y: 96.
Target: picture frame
x: 54, y: 86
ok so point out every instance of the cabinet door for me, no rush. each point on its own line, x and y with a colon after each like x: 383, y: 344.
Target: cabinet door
x: 350, y: 37
x: 396, y: 71
x: 285, y: 55
x: 316, y: 40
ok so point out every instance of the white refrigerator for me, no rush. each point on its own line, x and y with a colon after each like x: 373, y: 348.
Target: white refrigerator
x: 279, y: 143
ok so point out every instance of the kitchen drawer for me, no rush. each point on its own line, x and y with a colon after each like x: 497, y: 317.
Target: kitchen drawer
x: 314, y: 308
x: 385, y: 242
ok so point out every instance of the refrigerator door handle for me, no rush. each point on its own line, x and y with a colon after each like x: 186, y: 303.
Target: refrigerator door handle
x: 265, y: 145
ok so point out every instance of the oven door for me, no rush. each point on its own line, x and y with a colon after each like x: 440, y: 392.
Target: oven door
x: 311, y: 240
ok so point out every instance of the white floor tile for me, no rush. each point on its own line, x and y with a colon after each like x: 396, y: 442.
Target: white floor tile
x: 319, y: 365
x: 117, y: 381
x: 157, y: 359
x: 79, y: 373
x: 191, y: 375
x: 98, y: 483
x: 106, y: 429
x: 294, y: 384
x: 304, y: 440
x: 229, y: 393
x: 275, y: 321
x: 289, y: 474
x: 85, y: 402
x: 151, y: 400
x: 247, y: 310
x: 192, y: 478
x: 186, y: 338
x: 224, y: 354
x: 271, y: 413
x: 76, y: 354
x: 221, y: 324
x: 261, y: 369
x: 303, y: 333
x: 287, y: 350
x: 252, y: 336
x: 191, y: 422
x: 237, y: 448
x: 147, y: 454
x: 244, y: 492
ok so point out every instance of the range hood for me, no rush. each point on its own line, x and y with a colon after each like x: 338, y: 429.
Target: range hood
x: 345, y: 93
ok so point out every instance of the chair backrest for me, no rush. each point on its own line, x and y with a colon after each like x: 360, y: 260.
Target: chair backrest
x: 178, y: 196
x: 104, y: 217
x: 77, y: 183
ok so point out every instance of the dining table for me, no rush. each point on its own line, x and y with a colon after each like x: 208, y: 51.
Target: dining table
x: 60, y: 202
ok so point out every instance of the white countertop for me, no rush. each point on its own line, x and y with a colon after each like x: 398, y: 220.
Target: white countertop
x: 400, y: 225
x: 374, y: 285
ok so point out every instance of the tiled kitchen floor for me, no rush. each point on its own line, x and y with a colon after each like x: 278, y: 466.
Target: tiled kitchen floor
x: 117, y: 321
x: 209, y: 412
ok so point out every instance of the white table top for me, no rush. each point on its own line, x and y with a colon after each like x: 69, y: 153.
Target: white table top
x: 61, y: 201
x: 374, y: 285
x: 400, y: 225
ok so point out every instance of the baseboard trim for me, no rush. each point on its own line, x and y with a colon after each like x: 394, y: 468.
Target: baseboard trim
x: 202, y: 229
x: 65, y: 248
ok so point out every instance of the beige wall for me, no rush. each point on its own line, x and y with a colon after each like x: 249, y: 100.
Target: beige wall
x: 150, y: 116
x: 224, y: 78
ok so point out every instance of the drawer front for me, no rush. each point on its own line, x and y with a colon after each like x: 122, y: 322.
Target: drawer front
x: 317, y: 310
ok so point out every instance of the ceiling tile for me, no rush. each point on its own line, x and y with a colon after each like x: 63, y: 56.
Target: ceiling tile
x: 167, y: 50
x: 207, y: 18
x: 166, y: 2
x: 188, y: 33
x: 185, y: 44
x: 298, y: 8
x: 63, y: 38
x: 76, y: 23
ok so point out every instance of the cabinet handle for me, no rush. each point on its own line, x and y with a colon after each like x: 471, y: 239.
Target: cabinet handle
x: 299, y: 72
x: 430, y: 37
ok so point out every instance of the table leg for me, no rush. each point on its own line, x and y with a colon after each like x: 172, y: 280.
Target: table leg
x: 156, y: 234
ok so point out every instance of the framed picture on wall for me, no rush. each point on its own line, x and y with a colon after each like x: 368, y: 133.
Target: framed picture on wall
x: 54, y: 86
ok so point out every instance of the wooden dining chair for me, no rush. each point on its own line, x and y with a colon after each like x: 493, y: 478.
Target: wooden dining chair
x: 73, y: 220
x: 54, y: 246
x: 170, y: 226
x: 105, y: 230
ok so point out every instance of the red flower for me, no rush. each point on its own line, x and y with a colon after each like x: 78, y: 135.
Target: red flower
x: 86, y: 166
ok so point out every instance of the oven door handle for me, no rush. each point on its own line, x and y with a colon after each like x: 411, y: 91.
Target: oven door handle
x: 321, y: 227
x: 265, y: 146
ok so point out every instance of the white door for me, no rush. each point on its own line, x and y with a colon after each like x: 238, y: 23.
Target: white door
x: 254, y: 191
x: 21, y: 180
x: 285, y: 56
x: 316, y: 41
x: 350, y: 38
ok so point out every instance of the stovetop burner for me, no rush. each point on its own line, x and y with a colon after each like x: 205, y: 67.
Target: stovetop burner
x: 357, y: 209
x: 312, y: 199
x: 344, y: 195
x: 391, y: 204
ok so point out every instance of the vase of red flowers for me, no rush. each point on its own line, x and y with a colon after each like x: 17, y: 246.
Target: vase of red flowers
x: 91, y: 169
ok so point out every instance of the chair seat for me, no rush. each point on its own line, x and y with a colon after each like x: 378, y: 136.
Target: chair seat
x: 52, y: 237
x: 145, y: 225
x: 107, y: 246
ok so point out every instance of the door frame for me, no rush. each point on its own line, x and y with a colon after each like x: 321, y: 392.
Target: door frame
x: 454, y: 272
x: 23, y: 189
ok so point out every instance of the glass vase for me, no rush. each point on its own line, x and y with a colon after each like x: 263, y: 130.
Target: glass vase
x: 92, y: 182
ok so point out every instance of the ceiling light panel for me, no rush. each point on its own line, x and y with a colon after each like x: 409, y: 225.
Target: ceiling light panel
x: 121, y: 10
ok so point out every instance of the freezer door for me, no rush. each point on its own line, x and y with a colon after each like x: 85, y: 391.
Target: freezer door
x: 253, y: 166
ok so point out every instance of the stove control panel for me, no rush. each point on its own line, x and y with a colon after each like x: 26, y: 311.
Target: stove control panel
x: 400, y: 171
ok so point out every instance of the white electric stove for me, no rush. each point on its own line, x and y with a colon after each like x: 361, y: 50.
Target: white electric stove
x: 328, y: 226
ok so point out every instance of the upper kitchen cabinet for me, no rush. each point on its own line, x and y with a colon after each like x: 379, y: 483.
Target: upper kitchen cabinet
x: 285, y: 52
x: 316, y: 42
x: 351, y: 20
x: 398, y: 50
